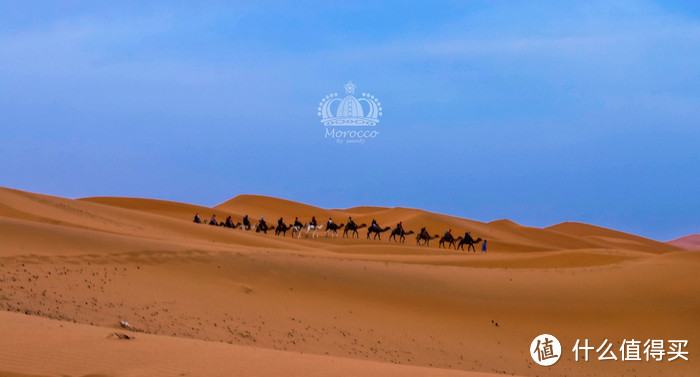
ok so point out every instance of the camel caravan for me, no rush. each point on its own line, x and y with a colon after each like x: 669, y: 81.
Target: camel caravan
x: 350, y: 230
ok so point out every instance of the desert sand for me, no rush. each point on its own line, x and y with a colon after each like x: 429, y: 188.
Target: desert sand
x: 689, y: 242
x: 205, y: 300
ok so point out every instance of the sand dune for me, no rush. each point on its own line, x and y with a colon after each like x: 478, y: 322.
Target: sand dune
x: 689, y: 242
x: 611, y: 238
x: 258, y: 206
x: 213, y: 301
x: 79, y: 350
x: 159, y: 207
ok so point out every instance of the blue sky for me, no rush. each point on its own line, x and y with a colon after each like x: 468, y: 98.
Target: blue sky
x: 536, y: 111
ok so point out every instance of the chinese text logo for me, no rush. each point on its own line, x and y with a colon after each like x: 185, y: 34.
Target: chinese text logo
x: 545, y: 350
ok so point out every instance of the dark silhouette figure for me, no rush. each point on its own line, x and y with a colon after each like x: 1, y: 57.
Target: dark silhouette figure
x: 377, y: 231
x: 469, y: 241
x: 282, y: 228
x: 352, y: 227
x: 197, y: 219
x: 401, y: 233
x: 449, y: 240
x: 262, y: 227
x: 297, y: 227
x: 333, y: 229
x: 246, y: 223
x: 228, y: 223
x: 425, y: 237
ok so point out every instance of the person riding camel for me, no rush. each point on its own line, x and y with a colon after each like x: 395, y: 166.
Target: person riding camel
x: 197, y: 219
x: 229, y: 222
x: 313, y: 221
x: 399, y: 226
x: 468, y: 237
x: 262, y: 224
x: 374, y: 224
x: 448, y: 234
x: 280, y: 222
x: 330, y: 222
x: 246, y: 222
x: 213, y: 221
x: 351, y: 223
x: 298, y: 223
x: 423, y: 231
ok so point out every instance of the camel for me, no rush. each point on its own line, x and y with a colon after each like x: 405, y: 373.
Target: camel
x: 246, y: 224
x: 449, y: 240
x: 377, y: 231
x: 353, y: 227
x: 239, y: 225
x: 309, y: 227
x: 333, y: 229
x: 425, y: 236
x: 283, y: 228
x: 399, y: 232
x: 468, y: 241
x: 230, y: 224
x: 263, y: 227
x: 296, y: 228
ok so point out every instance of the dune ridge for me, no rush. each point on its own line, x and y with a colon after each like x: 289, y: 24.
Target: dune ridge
x: 503, y: 235
x: 689, y: 242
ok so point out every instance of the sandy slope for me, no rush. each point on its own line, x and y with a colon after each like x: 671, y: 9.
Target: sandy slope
x: 612, y: 238
x: 100, y: 260
x: 689, y: 242
x: 42, y: 347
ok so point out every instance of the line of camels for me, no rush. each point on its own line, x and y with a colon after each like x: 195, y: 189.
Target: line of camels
x: 311, y: 229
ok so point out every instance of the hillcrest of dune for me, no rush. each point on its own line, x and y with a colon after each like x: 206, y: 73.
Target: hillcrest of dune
x: 689, y: 242
x: 611, y: 238
x: 257, y: 206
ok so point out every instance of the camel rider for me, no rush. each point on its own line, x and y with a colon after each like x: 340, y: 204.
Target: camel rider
x: 423, y: 231
x: 261, y: 223
x: 400, y: 226
x: 298, y: 223
x: 448, y: 234
x: 468, y: 237
x: 313, y: 221
x: 213, y: 221
x: 351, y: 223
x: 246, y: 222
x: 197, y: 219
x: 280, y: 222
x: 374, y: 224
x: 229, y: 222
x: 330, y: 221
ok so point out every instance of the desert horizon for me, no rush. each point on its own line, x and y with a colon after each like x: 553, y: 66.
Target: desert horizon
x: 137, y: 202
x: 210, y: 300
